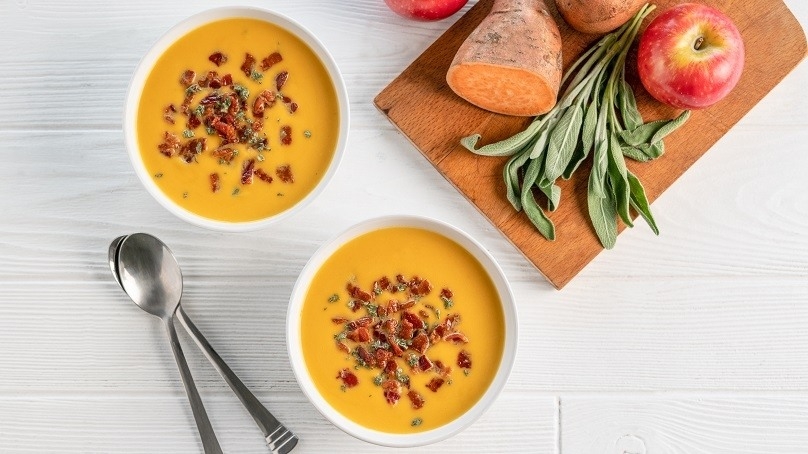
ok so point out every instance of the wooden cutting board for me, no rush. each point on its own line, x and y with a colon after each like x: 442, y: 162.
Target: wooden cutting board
x: 423, y: 107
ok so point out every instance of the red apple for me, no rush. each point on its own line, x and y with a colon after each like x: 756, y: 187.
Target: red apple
x: 425, y: 9
x: 691, y: 56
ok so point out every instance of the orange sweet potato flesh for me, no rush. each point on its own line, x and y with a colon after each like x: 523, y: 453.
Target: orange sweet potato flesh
x: 511, y: 64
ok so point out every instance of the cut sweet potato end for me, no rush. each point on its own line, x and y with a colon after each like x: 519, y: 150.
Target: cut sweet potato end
x: 502, y: 89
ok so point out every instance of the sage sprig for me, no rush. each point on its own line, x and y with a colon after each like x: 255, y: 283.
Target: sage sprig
x: 596, y: 114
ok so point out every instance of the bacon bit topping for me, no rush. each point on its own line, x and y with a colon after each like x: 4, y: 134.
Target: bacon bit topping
x: 416, y: 399
x: 424, y: 363
x: 192, y: 148
x: 247, y: 170
x: 263, y: 176
x: 286, y: 135
x: 225, y: 154
x: 214, y: 182
x: 170, y: 145
x: 464, y: 359
x: 264, y: 100
x: 420, y: 343
x: 193, y: 121
x: 218, y: 58
x: 456, y: 338
x: 446, y: 293
x: 434, y: 384
x: 227, y: 80
x: 272, y: 60
x: 377, y: 339
x: 348, y: 378
x: 280, y: 80
x: 168, y: 113
x: 284, y: 172
x: 392, y: 391
x: 247, y: 66
x: 187, y: 78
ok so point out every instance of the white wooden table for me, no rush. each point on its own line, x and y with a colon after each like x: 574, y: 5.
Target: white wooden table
x: 692, y: 342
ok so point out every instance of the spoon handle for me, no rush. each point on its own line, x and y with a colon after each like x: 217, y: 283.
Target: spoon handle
x: 209, y: 441
x: 279, y: 438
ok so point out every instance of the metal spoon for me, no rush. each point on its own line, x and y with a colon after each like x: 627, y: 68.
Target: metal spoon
x: 279, y: 439
x: 150, y: 275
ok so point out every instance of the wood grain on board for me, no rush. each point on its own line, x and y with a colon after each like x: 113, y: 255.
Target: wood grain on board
x: 422, y: 106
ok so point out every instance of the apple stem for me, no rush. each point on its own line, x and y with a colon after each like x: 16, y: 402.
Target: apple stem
x: 698, y: 43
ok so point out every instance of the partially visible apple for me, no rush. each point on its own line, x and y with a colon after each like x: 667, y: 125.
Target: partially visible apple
x: 691, y: 56
x: 426, y: 10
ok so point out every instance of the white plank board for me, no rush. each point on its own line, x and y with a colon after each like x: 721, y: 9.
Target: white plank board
x: 90, y: 423
x: 708, y: 425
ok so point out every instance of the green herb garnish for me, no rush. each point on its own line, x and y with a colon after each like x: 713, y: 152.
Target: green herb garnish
x: 192, y: 90
x: 187, y: 133
x: 158, y: 175
x: 307, y: 134
x: 333, y: 298
x: 256, y: 76
x: 236, y: 191
x: 416, y: 422
x: 447, y: 303
x: 242, y: 91
x: 597, y: 113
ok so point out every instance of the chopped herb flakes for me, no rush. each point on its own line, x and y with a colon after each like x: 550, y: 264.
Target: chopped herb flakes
x: 307, y: 134
x: 187, y: 133
x: 236, y: 191
x: 416, y: 422
x: 256, y: 76
x: 447, y: 302
x: 333, y: 298
x: 158, y: 175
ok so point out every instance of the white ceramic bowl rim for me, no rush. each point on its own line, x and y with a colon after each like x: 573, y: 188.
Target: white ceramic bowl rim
x: 296, y: 352
x: 147, y: 63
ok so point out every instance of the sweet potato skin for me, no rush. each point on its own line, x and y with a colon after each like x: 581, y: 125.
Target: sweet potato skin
x: 597, y: 16
x: 510, y: 64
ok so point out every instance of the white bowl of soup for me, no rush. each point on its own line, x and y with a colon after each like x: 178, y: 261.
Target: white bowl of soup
x: 402, y: 330
x: 236, y: 118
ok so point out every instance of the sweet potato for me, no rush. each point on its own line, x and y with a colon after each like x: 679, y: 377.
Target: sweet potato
x: 597, y: 16
x: 510, y: 64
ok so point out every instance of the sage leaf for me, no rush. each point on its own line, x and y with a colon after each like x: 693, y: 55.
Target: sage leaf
x: 599, y: 168
x: 652, y: 151
x: 562, y: 144
x: 587, y: 139
x: 506, y: 147
x: 617, y: 176
x: 511, y: 176
x: 552, y: 191
x: 635, y: 154
x: 639, y: 201
x: 670, y: 126
x: 602, y: 213
x: 632, y: 119
x: 536, y: 215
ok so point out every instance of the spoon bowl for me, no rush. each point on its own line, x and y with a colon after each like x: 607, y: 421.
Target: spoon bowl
x: 150, y: 274
x: 113, y: 258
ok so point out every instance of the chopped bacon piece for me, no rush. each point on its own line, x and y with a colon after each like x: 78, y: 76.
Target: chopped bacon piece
x: 339, y: 320
x: 423, y: 313
x: 394, y: 347
x: 292, y: 106
x: 355, y: 291
x: 342, y: 347
x: 422, y: 288
x: 348, y: 378
x: 273, y: 59
x: 420, y: 343
x: 390, y: 326
x: 434, y: 384
x: 227, y: 80
x: 210, y: 99
x: 446, y: 293
x: 187, y: 78
x: 390, y: 366
x: 185, y: 107
x: 249, y: 63
x: 464, y: 359
x: 280, y: 80
x: 381, y: 311
x: 456, y: 338
x: 264, y: 100
x: 263, y: 176
x: 407, y: 305
x: 286, y: 135
x: 392, y: 391
x: 225, y: 154
x: 218, y: 58
x: 362, y: 322
x: 168, y: 113
x: 406, y: 331
x: 416, y: 399
x: 193, y: 121
x: 363, y: 353
x: 355, y: 305
x: 360, y: 334
x: 424, y: 363
x: 247, y: 171
x: 257, y: 125
x: 225, y: 130
x: 392, y: 307
x: 382, y: 356
x: 447, y: 326
x: 189, y: 151
x: 206, y: 81
x: 384, y: 283
x: 414, y: 320
x: 214, y: 182
x: 400, y: 279
x: 442, y: 369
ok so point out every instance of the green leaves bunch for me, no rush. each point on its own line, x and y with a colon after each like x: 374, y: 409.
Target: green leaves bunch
x: 596, y: 114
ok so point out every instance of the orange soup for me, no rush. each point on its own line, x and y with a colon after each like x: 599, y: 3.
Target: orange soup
x: 402, y: 330
x: 238, y: 120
